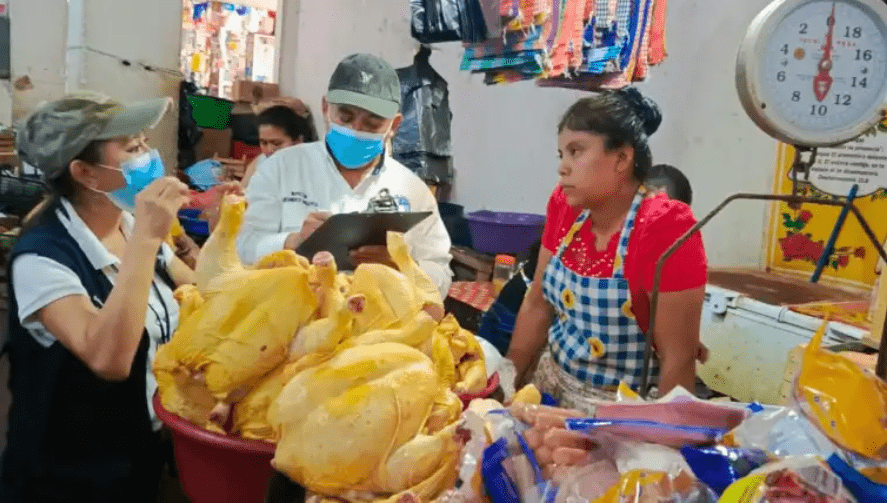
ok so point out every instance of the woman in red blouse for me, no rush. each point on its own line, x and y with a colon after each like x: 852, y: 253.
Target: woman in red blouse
x: 590, y: 299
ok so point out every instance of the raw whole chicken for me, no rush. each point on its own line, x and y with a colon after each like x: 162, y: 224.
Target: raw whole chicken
x: 236, y: 325
x: 355, y: 426
x: 354, y: 376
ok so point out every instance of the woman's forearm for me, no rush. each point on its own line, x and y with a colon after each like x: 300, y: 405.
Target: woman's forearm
x: 116, y: 330
x: 530, y: 334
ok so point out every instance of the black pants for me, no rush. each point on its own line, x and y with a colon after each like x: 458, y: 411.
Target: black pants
x: 61, y: 482
x: 283, y: 490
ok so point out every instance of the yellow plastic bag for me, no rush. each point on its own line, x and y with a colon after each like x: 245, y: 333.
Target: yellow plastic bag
x: 846, y: 402
x: 641, y: 486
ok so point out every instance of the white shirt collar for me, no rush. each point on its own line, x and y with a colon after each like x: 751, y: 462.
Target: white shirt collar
x: 95, y: 251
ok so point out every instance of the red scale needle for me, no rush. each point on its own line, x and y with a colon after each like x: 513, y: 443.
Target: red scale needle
x: 822, y: 83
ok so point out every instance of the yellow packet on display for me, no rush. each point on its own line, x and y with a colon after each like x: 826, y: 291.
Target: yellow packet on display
x: 846, y: 402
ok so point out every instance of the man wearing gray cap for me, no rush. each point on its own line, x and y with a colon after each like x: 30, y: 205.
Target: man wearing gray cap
x: 295, y: 190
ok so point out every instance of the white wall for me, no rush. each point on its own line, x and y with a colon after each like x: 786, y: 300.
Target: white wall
x: 51, y: 42
x: 37, y: 51
x: 142, y: 32
x: 504, y: 138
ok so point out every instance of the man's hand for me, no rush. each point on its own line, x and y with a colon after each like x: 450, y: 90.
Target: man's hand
x: 311, y: 224
x: 371, y: 255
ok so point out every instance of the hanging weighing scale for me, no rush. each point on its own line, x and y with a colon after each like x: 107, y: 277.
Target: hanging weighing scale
x: 810, y: 73
x: 813, y: 73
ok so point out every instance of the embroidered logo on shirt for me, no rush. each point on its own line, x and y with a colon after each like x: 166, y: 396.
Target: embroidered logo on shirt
x: 302, y: 198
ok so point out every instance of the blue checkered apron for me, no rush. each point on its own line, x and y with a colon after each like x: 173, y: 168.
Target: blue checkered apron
x: 594, y: 342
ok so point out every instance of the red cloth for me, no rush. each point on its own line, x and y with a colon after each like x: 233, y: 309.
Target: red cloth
x: 239, y: 150
x: 659, y: 223
x: 479, y: 295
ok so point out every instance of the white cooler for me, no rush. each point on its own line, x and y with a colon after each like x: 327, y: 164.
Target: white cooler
x: 750, y: 331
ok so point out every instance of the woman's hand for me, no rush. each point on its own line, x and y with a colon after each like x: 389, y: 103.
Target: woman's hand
x: 156, y: 208
x: 220, y: 191
x: 187, y: 250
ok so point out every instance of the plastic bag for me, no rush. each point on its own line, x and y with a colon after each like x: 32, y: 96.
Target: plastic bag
x: 639, y: 486
x: 866, y: 486
x: 447, y: 21
x: 469, y: 485
x: 719, y: 466
x: 423, y: 142
x: 654, y: 432
x: 846, y: 402
x: 679, y: 411
x: 510, y: 470
x: 802, y: 479
x: 782, y: 432
x: 205, y: 174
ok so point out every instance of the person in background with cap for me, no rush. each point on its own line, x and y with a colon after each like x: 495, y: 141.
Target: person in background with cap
x: 90, y: 301
x: 299, y: 187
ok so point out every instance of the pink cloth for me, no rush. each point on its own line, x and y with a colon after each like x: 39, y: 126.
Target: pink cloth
x: 658, y: 51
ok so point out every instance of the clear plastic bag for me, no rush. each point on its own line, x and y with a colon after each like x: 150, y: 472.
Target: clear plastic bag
x: 653, y: 432
x: 510, y: 470
x: 801, y: 479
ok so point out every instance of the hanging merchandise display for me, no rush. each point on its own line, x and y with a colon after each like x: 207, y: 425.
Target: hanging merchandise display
x: 423, y: 139
x: 449, y: 20
x: 223, y: 43
x: 578, y: 44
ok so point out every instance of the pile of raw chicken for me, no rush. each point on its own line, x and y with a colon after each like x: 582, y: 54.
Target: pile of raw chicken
x: 356, y: 378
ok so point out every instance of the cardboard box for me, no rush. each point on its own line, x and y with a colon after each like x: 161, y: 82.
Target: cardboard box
x: 254, y: 92
x: 213, y: 143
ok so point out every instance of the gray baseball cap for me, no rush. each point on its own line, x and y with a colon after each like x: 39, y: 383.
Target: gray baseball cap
x: 59, y: 131
x: 368, y: 82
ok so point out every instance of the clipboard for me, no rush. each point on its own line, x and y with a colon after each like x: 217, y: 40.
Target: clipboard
x: 346, y: 231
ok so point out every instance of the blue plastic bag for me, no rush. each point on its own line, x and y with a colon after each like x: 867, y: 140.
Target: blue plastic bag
x: 719, y: 466
x: 205, y: 174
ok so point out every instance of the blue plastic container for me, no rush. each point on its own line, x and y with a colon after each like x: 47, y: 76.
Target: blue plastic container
x: 195, y: 226
x: 190, y: 213
x: 496, y: 232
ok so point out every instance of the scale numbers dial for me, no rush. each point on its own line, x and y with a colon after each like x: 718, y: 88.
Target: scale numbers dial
x: 814, y: 72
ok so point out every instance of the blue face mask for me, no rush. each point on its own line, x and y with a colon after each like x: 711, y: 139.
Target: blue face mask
x: 139, y: 172
x: 353, y: 149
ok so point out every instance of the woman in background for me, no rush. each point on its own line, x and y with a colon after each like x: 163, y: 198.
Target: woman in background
x: 279, y: 127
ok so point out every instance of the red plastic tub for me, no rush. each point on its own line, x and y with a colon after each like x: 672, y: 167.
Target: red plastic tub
x: 217, y: 468
x: 492, y: 384
x: 497, y: 232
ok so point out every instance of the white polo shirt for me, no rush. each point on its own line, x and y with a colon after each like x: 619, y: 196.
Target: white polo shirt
x: 40, y: 281
x: 303, y: 179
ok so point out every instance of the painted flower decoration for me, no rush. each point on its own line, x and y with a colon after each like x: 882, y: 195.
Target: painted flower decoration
x: 626, y: 309
x: 805, y: 216
x: 568, y: 298
x: 597, y: 347
x: 859, y: 252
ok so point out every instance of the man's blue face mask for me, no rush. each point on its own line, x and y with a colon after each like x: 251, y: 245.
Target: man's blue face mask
x: 139, y: 172
x: 353, y: 149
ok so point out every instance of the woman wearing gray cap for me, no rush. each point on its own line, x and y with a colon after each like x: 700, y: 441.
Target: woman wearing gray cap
x: 91, y: 299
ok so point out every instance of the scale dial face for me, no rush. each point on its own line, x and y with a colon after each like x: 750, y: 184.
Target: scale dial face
x: 814, y: 72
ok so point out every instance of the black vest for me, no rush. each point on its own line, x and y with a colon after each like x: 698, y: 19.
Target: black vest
x: 73, y: 435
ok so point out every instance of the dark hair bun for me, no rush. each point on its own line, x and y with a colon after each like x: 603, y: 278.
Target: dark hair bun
x: 646, y: 109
